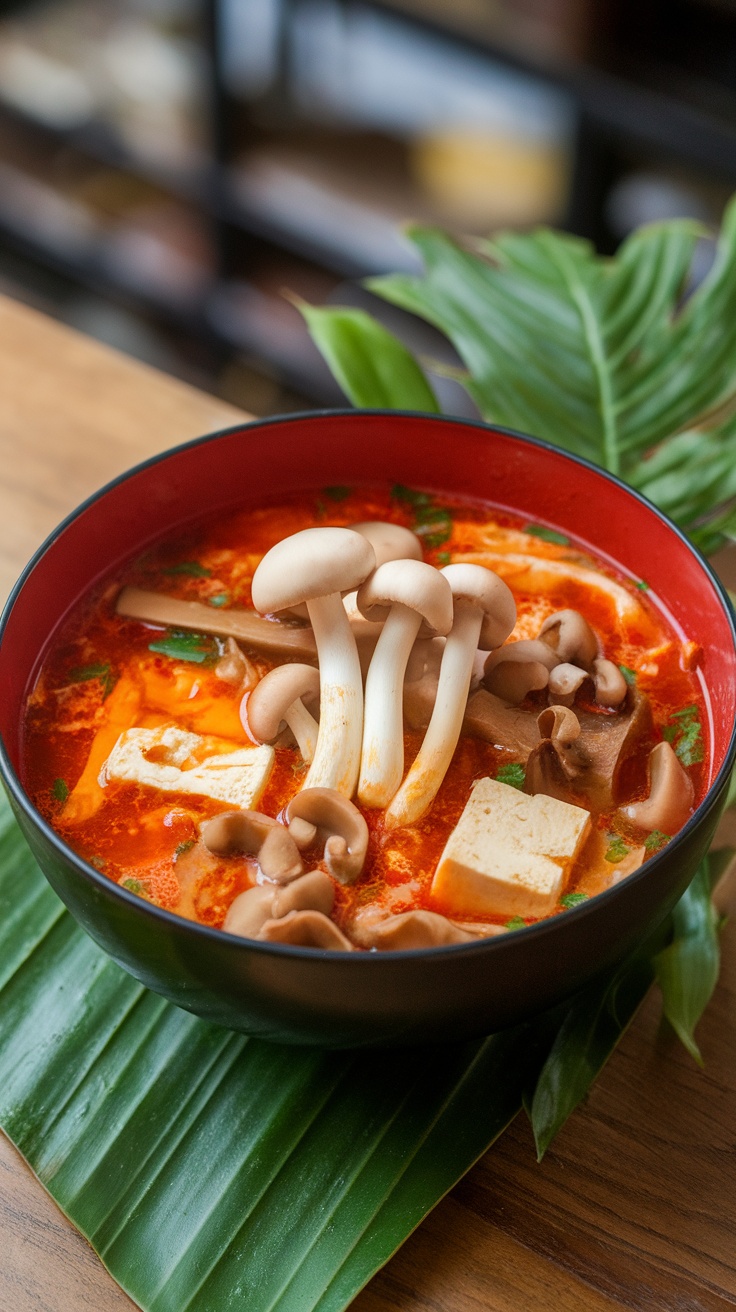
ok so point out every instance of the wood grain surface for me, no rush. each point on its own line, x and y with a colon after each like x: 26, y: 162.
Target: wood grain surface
x: 634, y: 1205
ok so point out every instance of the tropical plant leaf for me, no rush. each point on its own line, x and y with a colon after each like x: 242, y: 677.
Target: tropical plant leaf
x: 614, y: 359
x: 372, y: 366
x: 211, y: 1171
x: 590, y: 1029
x: 687, y: 970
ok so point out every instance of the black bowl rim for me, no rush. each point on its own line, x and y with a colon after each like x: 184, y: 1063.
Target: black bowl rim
x: 496, y: 942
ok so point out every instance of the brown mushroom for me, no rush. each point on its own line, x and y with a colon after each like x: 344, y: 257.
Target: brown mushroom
x: 413, y: 929
x: 305, y: 929
x: 234, y: 667
x: 316, y: 566
x: 343, y: 828
x: 570, y: 636
x: 279, y: 698
x: 250, y: 911
x: 254, y: 834
x: 556, y: 765
x: 411, y: 598
x: 270, y: 636
x: 671, y: 793
x: 564, y: 681
x: 484, y: 608
x: 610, y: 684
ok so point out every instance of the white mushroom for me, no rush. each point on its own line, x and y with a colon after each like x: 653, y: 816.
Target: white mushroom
x: 279, y: 698
x: 389, y: 541
x: 484, y: 609
x: 316, y: 566
x: 670, y: 797
x: 410, y: 597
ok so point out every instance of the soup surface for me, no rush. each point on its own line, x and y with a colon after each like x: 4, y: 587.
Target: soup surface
x: 104, y: 674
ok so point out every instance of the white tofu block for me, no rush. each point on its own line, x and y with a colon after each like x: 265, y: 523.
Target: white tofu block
x: 509, y: 854
x: 175, y: 761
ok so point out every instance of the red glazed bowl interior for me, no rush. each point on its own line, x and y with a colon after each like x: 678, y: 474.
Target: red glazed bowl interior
x: 252, y: 463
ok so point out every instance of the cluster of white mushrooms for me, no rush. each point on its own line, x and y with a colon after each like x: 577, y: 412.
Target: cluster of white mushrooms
x: 398, y: 640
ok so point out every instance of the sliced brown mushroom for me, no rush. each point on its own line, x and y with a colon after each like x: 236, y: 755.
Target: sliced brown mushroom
x: 282, y: 697
x: 338, y: 823
x: 250, y: 911
x: 315, y: 567
x: 514, y: 680
x: 305, y: 929
x: 570, y: 636
x: 234, y: 667
x: 413, y: 929
x: 254, y: 834
x: 671, y: 793
x: 508, y: 728
x: 269, y: 636
x: 555, y: 767
x: 485, y: 610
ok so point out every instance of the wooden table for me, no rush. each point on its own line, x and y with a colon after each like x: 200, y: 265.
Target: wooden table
x: 634, y: 1204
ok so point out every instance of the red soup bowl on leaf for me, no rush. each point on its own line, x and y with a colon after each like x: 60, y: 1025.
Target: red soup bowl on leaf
x: 454, y: 925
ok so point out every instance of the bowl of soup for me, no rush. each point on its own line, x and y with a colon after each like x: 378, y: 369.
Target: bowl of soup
x: 365, y: 728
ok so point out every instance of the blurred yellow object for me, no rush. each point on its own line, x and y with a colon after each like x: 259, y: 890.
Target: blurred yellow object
x: 482, y: 179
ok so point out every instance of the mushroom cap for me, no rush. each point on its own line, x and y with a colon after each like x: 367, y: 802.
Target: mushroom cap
x: 314, y: 563
x: 483, y: 588
x: 569, y: 634
x: 389, y: 541
x: 275, y: 693
x: 410, y: 583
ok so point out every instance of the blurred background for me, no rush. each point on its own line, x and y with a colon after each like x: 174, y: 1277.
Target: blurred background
x: 168, y: 168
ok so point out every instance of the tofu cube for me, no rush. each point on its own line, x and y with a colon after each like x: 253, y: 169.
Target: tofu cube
x: 175, y: 761
x: 509, y: 854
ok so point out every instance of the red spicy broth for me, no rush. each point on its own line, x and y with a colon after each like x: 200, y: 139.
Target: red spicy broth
x: 100, y: 676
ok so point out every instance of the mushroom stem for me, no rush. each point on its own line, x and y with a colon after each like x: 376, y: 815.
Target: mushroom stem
x: 304, y: 728
x: 428, y: 770
x: 382, y: 758
x: 337, y: 755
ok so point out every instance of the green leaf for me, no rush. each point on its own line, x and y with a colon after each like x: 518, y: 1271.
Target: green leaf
x: 210, y: 1170
x: 687, y: 970
x: 684, y: 732
x: 547, y: 534
x: 513, y: 775
x: 220, y: 599
x: 617, y: 849
x: 573, y: 900
x: 101, y: 671
x: 516, y: 922
x: 191, y: 567
x: 603, y: 356
x: 629, y: 675
x: 590, y: 1030
x: 371, y: 365
x: 60, y: 790
x: 182, y: 645
x: 656, y: 841
x: 132, y: 885
x: 338, y: 493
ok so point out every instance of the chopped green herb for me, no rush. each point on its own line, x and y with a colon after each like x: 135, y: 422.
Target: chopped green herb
x: 573, y: 899
x: 642, y: 585
x: 221, y: 599
x: 516, y: 922
x: 337, y: 493
x: 414, y: 498
x: 656, y: 841
x: 617, y: 849
x: 97, y: 862
x: 514, y: 775
x: 132, y: 885
x: 547, y: 534
x: 183, y: 847
x: 60, y: 790
x: 444, y: 557
x: 191, y: 567
x: 103, y: 672
x: 184, y: 646
x: 685, y: 733
x: 629, y: 675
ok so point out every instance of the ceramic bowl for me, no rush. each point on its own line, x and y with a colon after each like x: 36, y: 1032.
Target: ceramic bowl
x: 301, y: 995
